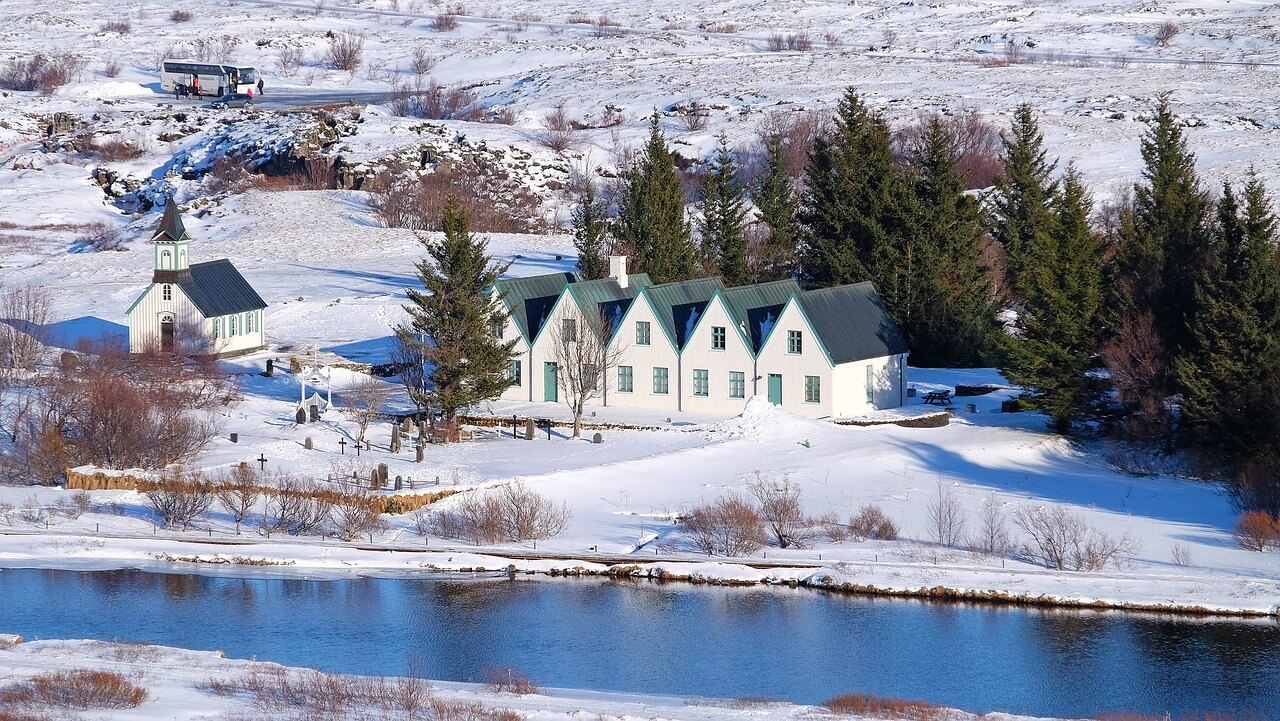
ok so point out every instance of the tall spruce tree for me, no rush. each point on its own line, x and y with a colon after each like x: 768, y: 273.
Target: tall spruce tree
x: 1167, y: 236
x: 775, y: 256
x: 651, y: 219
x: 590, y: 235
x: 1233, y: 358
x: 950, y: 317
x: 452, y: 323
x: 1056, y: 340
x: 852, y: 209
x: 1023, y: 194
x: 724, y: 237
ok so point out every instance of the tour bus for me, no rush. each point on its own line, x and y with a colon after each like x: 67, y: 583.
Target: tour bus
x: 197, y: 78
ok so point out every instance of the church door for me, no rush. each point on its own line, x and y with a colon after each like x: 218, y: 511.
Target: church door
x: 166, y: 334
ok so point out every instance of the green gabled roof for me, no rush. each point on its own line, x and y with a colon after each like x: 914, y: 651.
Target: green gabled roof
x: 606, y: 297
x: 217, y: 288
x: 756, y: 307
x: 852, y: 322
x: 171, y: 229
x: 529, y: 300
x: 679, y: 305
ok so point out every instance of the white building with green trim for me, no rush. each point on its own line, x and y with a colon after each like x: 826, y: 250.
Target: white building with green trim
x: 194, y: 308
x: 698, y: 346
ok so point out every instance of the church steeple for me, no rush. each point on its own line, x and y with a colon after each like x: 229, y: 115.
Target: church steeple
x: 171, y: 241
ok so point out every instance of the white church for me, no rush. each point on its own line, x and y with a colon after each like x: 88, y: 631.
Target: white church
x: 194, y: 308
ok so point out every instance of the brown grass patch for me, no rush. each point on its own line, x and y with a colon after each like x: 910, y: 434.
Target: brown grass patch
x: 81, y: 689
x: 511, y: 681
x: 863, y: 704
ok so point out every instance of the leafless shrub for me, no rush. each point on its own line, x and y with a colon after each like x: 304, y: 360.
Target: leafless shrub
x: 1065, y: 541
x: 946, y: 517
x: 298, y: 508
x: 800, y: 41
x: 722, y: 27
x: 879, y: 707
x: 115, y: 151
x: 238, y: 493
x: 513, y: 513
x: 500, y: 116
x: 80, y: 689
x: 695, y: 116
x: 181, y: 498
x: 120, y: 27
x: 181, y: 16
x: 781, y: 510
x: 24, y: 326
x: 45, y: 73
x: 558, y: 132
x: 363, y: 401
x: 445, y: 22
x: 32, y: 511
x: 975, y: 144
x: 833, y: 40
x: 1165, y: 32
x: 729, y: 526
x: 889, y: 38
x: 992, y: 536
x: 355, y: 514
x: 6, y: 513
x: 111, y: 69
x: 796, y: 131
x: 289, y: 60
x: 835, y: 531
x: 432, y: 101
x: 777, y: 42
x: 81, y: 503
x: 421, y: 62
x: 495, y: 202
x: 1257, y: 531
x: 871, y: 523
x: 510, y: 680
x: 217, y: 48
x: 606, y: 27
x: 1181, y: 555
x: 522, y: 20
x: 346, y: 51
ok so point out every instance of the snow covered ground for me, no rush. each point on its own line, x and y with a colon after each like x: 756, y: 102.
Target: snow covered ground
x: 188, y: 685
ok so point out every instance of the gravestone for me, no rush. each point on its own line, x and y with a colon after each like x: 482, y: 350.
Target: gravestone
x: 422, y: 430
x: 373, y: 479
x: 382, y: 473
x: 301, y: 415
x: 235, y: 437
x: 395, y: 438
x: 529, y: 428
x: 307, y: 443
x: 418, y: 453
x: 597, y: 438
x: 399, y: 483
x: 406, y: 424
x: 271, y: 368
x: 315, y: 413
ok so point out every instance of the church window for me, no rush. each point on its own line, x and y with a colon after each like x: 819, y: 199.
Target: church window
x: 232, y: 326
x: 251, y: 322
x: 166, y: 260
x: 217, y: 327
x: 166, y: 292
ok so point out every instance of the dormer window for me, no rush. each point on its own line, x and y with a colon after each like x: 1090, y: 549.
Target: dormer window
x: 166, y: 292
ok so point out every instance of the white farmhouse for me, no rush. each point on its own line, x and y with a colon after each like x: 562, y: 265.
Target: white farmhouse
x: 193, y: 308
x: 698, y: 346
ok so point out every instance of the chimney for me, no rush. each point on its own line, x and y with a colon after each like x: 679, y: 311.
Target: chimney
x: 618, y: 269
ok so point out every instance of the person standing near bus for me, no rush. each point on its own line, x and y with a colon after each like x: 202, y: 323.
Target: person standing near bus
x: 259, y: 86
x: 195, y: 85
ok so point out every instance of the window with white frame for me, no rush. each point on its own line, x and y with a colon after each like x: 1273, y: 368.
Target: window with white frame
x: 642, y: 332
x: 737, y: 384
x: 513, y: 373
x: 660, y: 381
x: 812, y: 389
x: 795, y: 341
x: 625, y: 379
x: 233, y: 328
x: 717, y: 337
x: 166, y: 292
x: 701, y: 382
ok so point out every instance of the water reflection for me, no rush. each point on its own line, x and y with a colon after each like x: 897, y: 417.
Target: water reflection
x: 676, y: 639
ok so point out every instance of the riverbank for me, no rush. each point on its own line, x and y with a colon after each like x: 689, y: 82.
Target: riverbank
x: 183, y: 685
x: 940, y: 576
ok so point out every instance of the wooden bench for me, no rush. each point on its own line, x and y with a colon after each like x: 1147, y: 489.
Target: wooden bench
x: 941, y: 398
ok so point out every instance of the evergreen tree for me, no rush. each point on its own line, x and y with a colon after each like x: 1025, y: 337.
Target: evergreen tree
x: 1167, y: 236
x: 724, y: 238
x: 949, y: 318
x: 1232, y: 360
x: 1023, y: 193
x: 775, y: 202
x: 651, y: 219
x: 452, y: 322
x: 852, y: 210
x: 590, y: 235
x: 1056, y: 339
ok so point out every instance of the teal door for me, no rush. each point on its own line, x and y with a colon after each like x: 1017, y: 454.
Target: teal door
x: 550, y: 389
x: 775, y: 389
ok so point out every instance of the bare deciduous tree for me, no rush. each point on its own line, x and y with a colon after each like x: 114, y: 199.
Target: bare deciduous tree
x: 24, y: 327
x: 730, y: 526
x: 992, y: 537
x: 363, y: 401
x: 871, y: 523
x: 558, y: 130
x: 1165, y: 32
x: 346, y: 51
x: 585, y: 358
x: 1065, y: 541
x: 355, y: 514
x: 238, y: 493
x: 513, y: 512
x: 289, y: 60
x: 780, y: 507
x: 181, y: 498
x: 297, y: 507
x: 695, y: 116
x: 946, y: 517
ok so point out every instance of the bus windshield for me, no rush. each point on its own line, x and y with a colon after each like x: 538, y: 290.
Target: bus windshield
x: 248, y: 76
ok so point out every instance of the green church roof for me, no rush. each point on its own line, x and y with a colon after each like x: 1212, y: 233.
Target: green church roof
x: 171, y: 229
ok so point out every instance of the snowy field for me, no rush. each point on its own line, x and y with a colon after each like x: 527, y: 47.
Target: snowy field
x: 188, y: 685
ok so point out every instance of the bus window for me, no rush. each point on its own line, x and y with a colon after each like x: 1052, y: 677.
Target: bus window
x: 248, y: 76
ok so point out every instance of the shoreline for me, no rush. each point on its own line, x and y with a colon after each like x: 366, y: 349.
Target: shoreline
x: 281, y: 558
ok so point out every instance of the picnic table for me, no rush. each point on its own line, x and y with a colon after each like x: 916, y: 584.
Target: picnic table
x: 942, y: 398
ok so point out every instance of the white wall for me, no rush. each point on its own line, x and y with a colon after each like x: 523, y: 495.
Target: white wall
x: 144, y: 324
x: 643, y: 359
x: 698, y: 354
x: 243, y: 340
x: 517, y: 392
x: 850, y: 381
x: 811, y: 361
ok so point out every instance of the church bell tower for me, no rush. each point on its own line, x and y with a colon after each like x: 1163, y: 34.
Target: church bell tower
x: 171, y: 241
